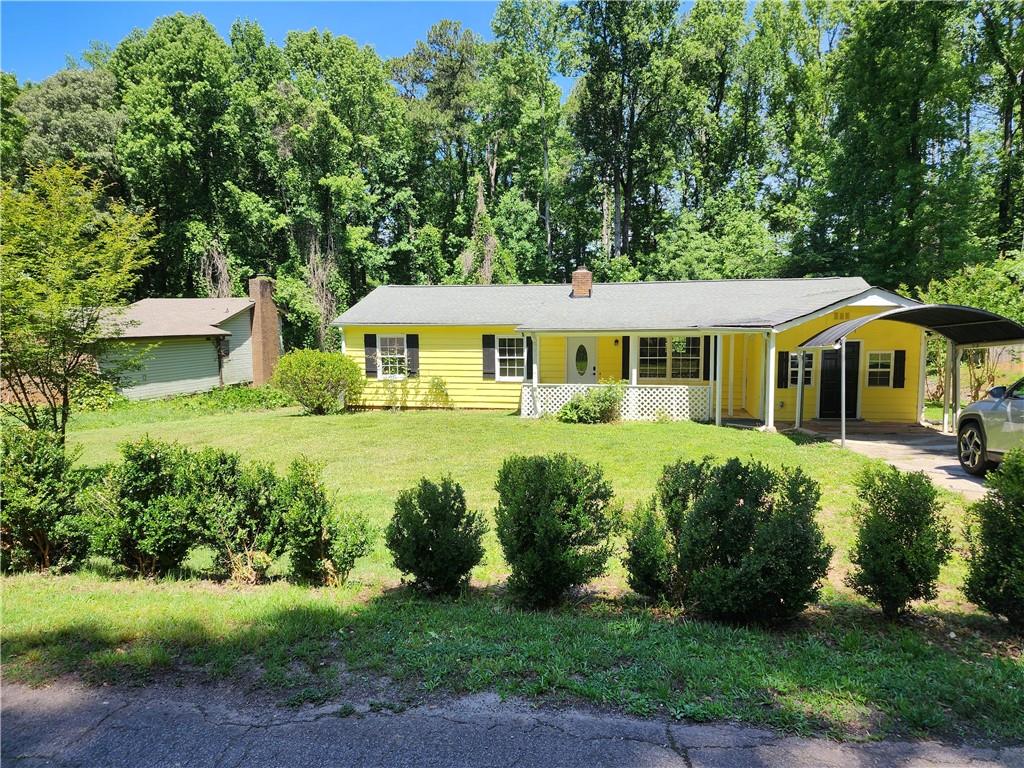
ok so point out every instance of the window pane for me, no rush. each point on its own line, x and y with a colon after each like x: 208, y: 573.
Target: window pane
x: 391, y: 350
x: 794, y: 368
x: 686, y: 357
x: 511, y: 357
x: 653, y: 362
x: 879, y: 369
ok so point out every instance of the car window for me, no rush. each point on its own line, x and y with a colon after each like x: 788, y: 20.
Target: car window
x: 1017, y: 391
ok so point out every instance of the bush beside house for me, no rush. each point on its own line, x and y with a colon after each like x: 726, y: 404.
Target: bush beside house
x: 321, y: 382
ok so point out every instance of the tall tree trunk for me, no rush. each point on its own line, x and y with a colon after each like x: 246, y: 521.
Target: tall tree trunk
x: 617, y: 217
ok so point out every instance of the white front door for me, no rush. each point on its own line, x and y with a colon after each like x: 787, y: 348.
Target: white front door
x: 581, y: 360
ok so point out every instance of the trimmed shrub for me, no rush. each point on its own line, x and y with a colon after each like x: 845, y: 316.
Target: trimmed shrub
x: 739, y: 542
x: 322, y: 544
x: 595, y: 406
x: 141, y: 515
x: 241, y: 510
x: 554, y: 521
x: 40, y: 527
x: 321, y: 382
x: 995, y: 543
x: 902, y: 538
x: 434, y: 537
x: 650, y: 558
x: 653, y: 535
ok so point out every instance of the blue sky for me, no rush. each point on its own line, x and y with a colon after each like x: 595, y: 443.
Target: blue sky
x: 37, y: 37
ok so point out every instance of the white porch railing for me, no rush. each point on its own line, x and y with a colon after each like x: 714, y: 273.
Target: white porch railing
x: 645, y: 402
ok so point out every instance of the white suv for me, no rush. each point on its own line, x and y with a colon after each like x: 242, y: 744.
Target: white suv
x: 991, y: 427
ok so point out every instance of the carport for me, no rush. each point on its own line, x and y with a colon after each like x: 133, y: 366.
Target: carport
x: 963, y: 328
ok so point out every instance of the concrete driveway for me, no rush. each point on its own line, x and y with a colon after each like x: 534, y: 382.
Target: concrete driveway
x: 68, y: 726
x: 919, y: 449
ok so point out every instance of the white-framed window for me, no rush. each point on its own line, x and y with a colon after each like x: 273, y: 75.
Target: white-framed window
x: 794, y: 368
x: 653, y: 357
x: 879, y: 369
x: 392, y: 361
x: 511, y: 351
x: 686, y: 357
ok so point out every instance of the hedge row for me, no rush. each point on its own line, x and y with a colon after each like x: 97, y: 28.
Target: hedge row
x: 147, y: 511
x: 733, y: 541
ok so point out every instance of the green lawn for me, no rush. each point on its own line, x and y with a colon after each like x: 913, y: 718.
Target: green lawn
x: 947, y: 671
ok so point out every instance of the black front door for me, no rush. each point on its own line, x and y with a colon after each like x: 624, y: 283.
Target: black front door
x: 831, y: 394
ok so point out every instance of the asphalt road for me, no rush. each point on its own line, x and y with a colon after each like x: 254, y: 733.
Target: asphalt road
x: 204, y: 726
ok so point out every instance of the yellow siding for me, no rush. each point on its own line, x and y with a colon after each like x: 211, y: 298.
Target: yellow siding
x: 609, y: 358
x: 876, y: 403
x: 453, y: 353
x: 552, y: 359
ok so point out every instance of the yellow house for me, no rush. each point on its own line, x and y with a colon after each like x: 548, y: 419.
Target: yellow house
x: 702, y: 350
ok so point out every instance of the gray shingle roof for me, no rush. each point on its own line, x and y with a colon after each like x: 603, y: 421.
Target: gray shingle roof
x: 156, y: 318
x: 612, y: 306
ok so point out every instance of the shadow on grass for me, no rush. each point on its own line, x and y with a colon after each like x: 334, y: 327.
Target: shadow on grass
x: 840, y: 669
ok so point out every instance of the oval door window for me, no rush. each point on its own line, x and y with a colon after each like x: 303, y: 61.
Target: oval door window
x: 581, y: 359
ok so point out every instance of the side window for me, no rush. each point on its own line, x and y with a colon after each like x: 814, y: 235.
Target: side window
x: 794, y: 368
x: 1017, y: 391
x: 511, y: 358
x: 879, y: 369
x: 391, y: 351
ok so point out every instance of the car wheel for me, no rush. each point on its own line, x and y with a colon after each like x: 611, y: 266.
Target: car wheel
x: 971, y: 449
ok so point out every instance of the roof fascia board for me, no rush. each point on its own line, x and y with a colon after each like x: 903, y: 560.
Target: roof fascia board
x: 642, y: 331
x: 250, y: 305
x: 880, y: 293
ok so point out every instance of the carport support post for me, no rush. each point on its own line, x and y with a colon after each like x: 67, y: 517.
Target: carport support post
x: 718, y: 379
x: 842, y: 392
x: 769, y: 384
x: 799, y: 389
x: 947, y: 385
x: 955, y: 394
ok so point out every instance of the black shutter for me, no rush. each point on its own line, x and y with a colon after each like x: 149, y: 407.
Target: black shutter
x: 706, y: 372
x: 370, y: 350
x: 782, y: 375
x: 412, y: 354
x: 899, y: 368
x: 625, y: 358
x: 529, y: 359
x: 488, y: 345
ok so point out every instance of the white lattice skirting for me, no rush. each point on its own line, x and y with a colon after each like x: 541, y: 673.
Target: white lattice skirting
x: 640, y: 403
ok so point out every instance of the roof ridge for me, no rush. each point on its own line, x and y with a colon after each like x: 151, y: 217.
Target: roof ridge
x: 627, y: 282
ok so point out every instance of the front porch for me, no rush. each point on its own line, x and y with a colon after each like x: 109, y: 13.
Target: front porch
x: 683, y: 375
x: 648, y: 402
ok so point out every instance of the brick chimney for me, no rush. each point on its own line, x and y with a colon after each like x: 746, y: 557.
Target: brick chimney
x: 266, y: 334
x: 582, y: 283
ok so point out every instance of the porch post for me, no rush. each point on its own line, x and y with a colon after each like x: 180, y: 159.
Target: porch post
x: 842, y: 392
x: 921, y: 376
x: 769, y: 384
x: 535, y: 373
x: 732, y: 368
x: 718, y: 379
x: 947, y: 385
x: 799, y: 389
x: 634, y: 359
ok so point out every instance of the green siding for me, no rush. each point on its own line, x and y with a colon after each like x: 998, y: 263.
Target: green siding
x: 173, y: 367
x: 238, y: 363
